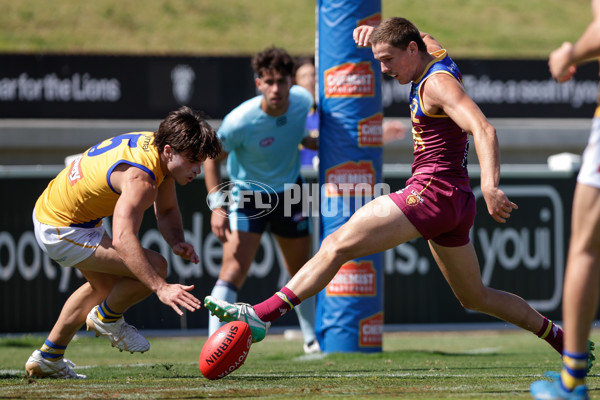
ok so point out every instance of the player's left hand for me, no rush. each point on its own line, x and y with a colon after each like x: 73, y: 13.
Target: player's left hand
x: 499, y: 206
x: 186, y: 251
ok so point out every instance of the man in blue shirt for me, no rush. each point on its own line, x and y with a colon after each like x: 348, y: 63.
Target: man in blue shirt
x: 261, y: 139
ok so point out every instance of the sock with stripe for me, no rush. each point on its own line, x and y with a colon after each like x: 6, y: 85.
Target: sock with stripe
x: 574, y: 370
x: 106, y: 315
x: 553, y: 334
x: 222, y: 290
x: 52, y: 351
x: 274, y: 307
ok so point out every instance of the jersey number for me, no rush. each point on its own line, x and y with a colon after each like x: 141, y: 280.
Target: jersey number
x: 131, y: 138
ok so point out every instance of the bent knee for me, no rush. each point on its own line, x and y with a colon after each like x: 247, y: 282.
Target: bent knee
x: 337, y: 247
x: 474, y: 301
x: 159, y: 263
x: 163, y: 268
x: 470, y: 305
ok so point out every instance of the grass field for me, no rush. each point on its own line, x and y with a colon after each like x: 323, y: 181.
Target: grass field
x: 468, y: 28
x: 413, y: 365
x: 418, y: 365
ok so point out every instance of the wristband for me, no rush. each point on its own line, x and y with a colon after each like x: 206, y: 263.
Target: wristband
x: 216, y: 199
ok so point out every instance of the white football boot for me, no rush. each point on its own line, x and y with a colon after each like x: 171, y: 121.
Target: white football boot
x: 120, y: 333
x: 40, y: 367
x: 238, y: 312
x: 312, y: 347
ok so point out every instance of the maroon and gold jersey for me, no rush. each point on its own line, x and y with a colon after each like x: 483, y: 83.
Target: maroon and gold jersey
x: 441, y: 147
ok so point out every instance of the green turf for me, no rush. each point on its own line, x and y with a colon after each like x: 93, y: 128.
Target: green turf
x: 468, y: 28
x: 417, y: 365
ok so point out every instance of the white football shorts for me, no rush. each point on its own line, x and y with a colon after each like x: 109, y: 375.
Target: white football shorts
x: 589, y: 174
x: 66, y: 245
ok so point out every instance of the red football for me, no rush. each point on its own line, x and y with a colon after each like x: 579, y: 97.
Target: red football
x: 226, y: 350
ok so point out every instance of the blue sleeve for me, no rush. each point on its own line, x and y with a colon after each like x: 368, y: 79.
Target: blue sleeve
x: 305, y: 99
x: 228, y: 133
x: 302, y: 95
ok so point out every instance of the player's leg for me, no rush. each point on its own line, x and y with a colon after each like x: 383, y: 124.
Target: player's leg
x: 127, y: 290
x: 238, y: 253
x: 582, y: 277
x: 375, y: 227
x: 460, y: 268
x: 580, y: 295
x: 106, y: 318
x: 49, y: 360
x: 79, y: 304
x: 105, y: 271
x: 296, y: 252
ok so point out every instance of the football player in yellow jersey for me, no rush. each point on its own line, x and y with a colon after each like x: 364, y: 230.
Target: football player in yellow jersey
x: 122, y: 176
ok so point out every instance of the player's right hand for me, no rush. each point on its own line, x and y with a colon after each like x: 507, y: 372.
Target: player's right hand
x: 176, y: 295
x: 498, y: 204
x: 362, y: 34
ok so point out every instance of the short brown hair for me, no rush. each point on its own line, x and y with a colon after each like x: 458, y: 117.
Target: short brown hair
x: 188, y: 132
x: 273, y: 59
x: 398, y: 32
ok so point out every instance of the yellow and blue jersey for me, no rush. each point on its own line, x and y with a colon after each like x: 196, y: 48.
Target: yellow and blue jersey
x: 82, y: 194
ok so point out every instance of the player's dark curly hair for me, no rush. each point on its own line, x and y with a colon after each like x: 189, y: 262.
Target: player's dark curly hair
x: 273, y: 59
x: 398, y: 32
x: 188, y: 132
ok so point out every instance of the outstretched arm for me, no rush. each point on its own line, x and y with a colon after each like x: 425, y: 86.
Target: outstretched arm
x: 138, y: 193
x: 563, y: 61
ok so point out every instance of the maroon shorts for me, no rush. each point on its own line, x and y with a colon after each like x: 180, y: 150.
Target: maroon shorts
x: 439, y: 210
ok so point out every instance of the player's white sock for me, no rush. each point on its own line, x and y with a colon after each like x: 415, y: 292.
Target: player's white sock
x: 306, y: 317
x: 222, y: 291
